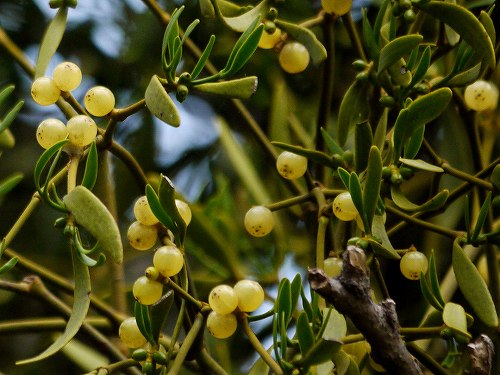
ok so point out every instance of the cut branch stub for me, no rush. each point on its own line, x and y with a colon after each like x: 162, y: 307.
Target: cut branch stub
x: 350, y: 295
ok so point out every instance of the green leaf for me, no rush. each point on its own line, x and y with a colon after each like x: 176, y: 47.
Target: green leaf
x: 465, y: 78
x: 157, y: 209
x: 384, y: 249
x: 454, y: 317
x: 51, y: 39
x: 207, y: 8
x: 158, y: 313
x: 8, y: 265
x: 143, y: 320
x: 344, y: 176
x: 381, y: 130
x: 483, y: 214
x: 336, y: 325
x: 316, y: 156
x: 371, y: 190
x: 305, y: 36
x: 473, y: 286
x: 363, y: 140
x: 421, y: 165
x: 6, y: 91
x: 433, y: 278
x: 495, y: 177
x: 238, y: 45
x: 242, y: 22
x: 92, y: 214
x: 413, y: 144
x: 244, y: 52
x: 78, y: 313
x: 356, y: 192
x: 306, y: 305
x: 429, y: 296
x: 160, y: 104
x: 91, y: 168
x: 423, y: 66
x: 402, y: 202
x: 369, y: 38
x: 305, y: 334
x: 284, y: 300
x: 353, y: 110
x: 332, y: 146
x: 295, y: 288
x: 10, y: 116
x: 464, y: 23
x: 204, y: 56
x: 421, y: 111
x: 9, y: 183
x: 43, y: 161
x: 171, y: 33
x: 241, y: 88
x: 166, y: 194
x: 489, y: 26
x: 320, y: 352
x: 396, y: 49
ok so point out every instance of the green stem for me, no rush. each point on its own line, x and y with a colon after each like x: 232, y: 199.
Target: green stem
x: 289, y: 202
x: 266, y: 357
x: 72, y: 172
x: 47, y: 324
x: 120, y: 114
x: 187, y: 344
x: 114, y: 367
x: 134, y: 167
x: 426, y: 359
x: 375, y: 266
x: 206, y: 361
x: 183, y: 294
x: 353, y: 35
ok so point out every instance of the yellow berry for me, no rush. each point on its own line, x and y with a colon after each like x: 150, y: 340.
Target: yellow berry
x: 268, y: 41
x: 184, y: 211
x: 51, y: 131
x: 142, y: 237
x: 44, y: 91
x: 250, y: 295
x: 412, y: 264
x: 291, y: 166
x: 99, y: 101
x: 221, y: 326
x: 338, y: 7
x: 168, y: 260
x: 130, y: 334
x: 67, y: 76
x: 222, y: 299
x: 332, y: 266
x: 259, y: 221
x: 344, y: 208
x: 481, y: 95
x: 143, y: 213
x: 294, y: 57
x: 147, y: 291
x: 82, y: 130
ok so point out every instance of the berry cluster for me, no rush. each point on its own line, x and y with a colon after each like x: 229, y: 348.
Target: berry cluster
x: 81, y: 130
x: 246, y: 296
x: 168, y: 260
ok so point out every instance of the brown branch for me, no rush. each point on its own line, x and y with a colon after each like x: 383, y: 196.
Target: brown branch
x: 350, y: 295
x: 481, y: 353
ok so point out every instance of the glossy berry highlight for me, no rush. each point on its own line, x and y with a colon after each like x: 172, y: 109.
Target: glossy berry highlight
x: 259, y: 221
x: 344, y: 208
x: 168, y: 260
x: 221, y: 326
x: 142, y: 237
x: 67, y: 76
x: 269, y: 40
x: 291, y: 166
x: 147, y: 291
x: 44, y: 91
x: 99, y: 101
x: 82, y: 130
x: 332, y: 266
x: 412, y: 264
x: 294, y: 57
x: 222, y: 299
x: 481, y: 95
x: 250, y: 295
x: 50, y: 131
x: 143, y: 213
x: 184, y: 211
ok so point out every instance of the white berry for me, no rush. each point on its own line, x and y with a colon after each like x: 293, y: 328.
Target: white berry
x: 294, y: 57
x: 51, y: 131
x: 168, y: 260
x: 259, y: 221
x: 221, y: 326
x: 250, y: 295
x: 142, y: 237
x: 344, y: 208
x: 82, y: 130
x: 222, y: 299
x: 44, y: 91
x: 147, y: 291
x: 412, y: 264
x: 67, y: 76
x: 291, y: 166
x: 130, y: 334
x: 99, y: 101
x: 184, y: 211
x: 143, y: 213
x: 481, y: 95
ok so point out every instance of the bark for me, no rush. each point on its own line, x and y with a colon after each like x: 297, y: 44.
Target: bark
x: 481, y: 355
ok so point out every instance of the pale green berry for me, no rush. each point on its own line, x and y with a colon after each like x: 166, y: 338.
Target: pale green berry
x: 221, y: 326
x: 250, y: 295
x: 82, y: 130
x: 143, y: 213
x: 67, y: 76
x: 184, y: 211
x: 344, y: 208
x: 222, y: 299
x: 332, y: 266
x: 294, y: 57
x: 51, y: 131
x: 338, y: 7
x: 99, y: 101
x: 412, y: 264
x: 142, y: 237
x: 44, y: 91
x: 268, y: 41
x: 291, y: 166
x: 481, y: 95
x: 130, y: 334
x: 168, y: 260
x: 259, y: 221
x: 147, y: 291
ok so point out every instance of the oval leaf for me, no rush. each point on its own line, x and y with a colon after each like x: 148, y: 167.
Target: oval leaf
x: 305, y: 36
x: 305, y: 334
x: 421, y: 165
x: 92, y: 214
x: 402, y: 202
x: 9, y: 183
x: 353, y: 109
x: 336, y: 327
x: 78, y: 313
x: 320, y: 352
x: 378, y: 230
x: 463, y: 22
x: 160, y: 104
x: 454, y: 317
x: 396, y: 49
x: 10, y: 116
x: 51, y: 39
x: 242, y: 22
x: 473, y: 286
x: 242, y: 88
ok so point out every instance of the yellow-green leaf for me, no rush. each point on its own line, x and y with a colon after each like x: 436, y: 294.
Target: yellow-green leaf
x: 396, y: 49
x: 79, y: 312
x: 473, y: 286
x: 242, y: 88
x: 402, y: 202
x: 51, y: 39
x: 454, y: 317
x: 421, y: 165
x: 160, y: 104
x: 92, y: 214
x: 353, y: 109
x: 242, y: 22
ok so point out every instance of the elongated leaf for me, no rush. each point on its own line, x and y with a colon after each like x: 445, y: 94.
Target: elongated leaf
x: 344, y: 176
x: 356, y: 192
x: 413, y: 143
x: 284, y: 300
x: 9, y: 183
x: 316, y: 156
x: 171, y: 33
x: 483, y: 214
x: 92, y: 214
x: 363, y: 140
x: 295, y: 288
x: 454, y: 318
x: 464, y: 23
x: 332, y: 146
x: 421, y: 111
x: 158, y: 210
x: 11, y: 263
x: 306, y: 305
x: 423, y: 66
x: 244, y: 52
x: 384, y: 249
x: 322, y: 351
x: 369, y: 38
x: 402, y: 202
x: 204, y: 57
x: 371, y: 190
x: 207, y: 9
x: 6, y: 91
x: 495, y: 176
x: 305, y: 334
x: 242, y: 22
x: 160, y: 104
x: 473, y: 286
x: 353, y: 110
x: 10, y: 116
x: 421, y: 165
x: 242, y: 88
x: 433, y: 279
x: 143, y: 320
x: 51, y: 39
x: 428, y: 295
x: 465, y: 78
x: 305, y: 36
x: 158, y: 313
x: 166, y: 194
x: 489, y: 26
x: 91, y: 168
x: 381, y: 130
x: 79, y: 312
x: 396, y: 49
x: 43, y: 161
x: 239, y: 43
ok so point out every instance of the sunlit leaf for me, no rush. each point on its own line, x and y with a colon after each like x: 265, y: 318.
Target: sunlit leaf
x: 242, y: 22
x: 78, y: 313
x: 238, y: 45
x: 421, y: 165
x: 284, y: 300
x: 473, y: 286
x: 44, y: 160
x: 454, y: 317
x: 336, y: 326
x: 242, y: 88
x: 160, y: 104
x: 204, y: 57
